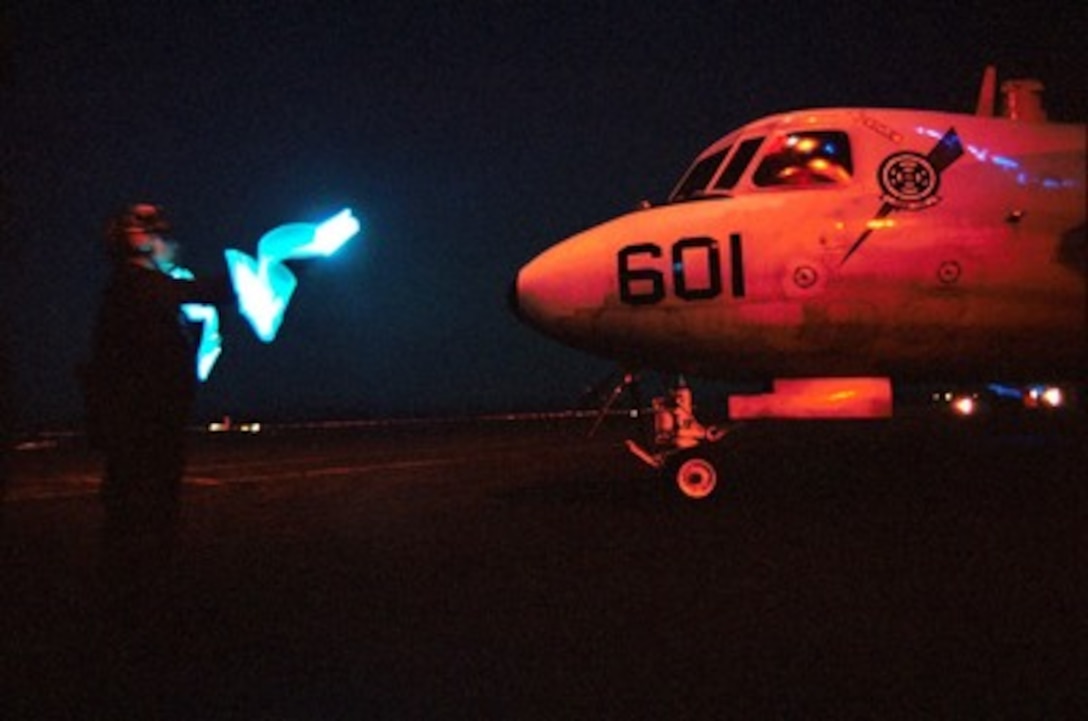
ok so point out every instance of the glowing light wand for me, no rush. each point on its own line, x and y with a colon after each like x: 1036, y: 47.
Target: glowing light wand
x: 211, y: 344
x: 264, y: 285
x: 296, y: 241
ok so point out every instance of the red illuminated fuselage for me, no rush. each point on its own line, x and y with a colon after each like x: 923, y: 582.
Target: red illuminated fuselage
x: 846, y: 242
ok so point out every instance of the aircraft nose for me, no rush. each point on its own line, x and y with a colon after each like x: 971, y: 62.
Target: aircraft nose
x: 512, y: 299
x: 523, y: 302
x: 529, y: 298
x: 555, y: 292
x: 549, y: 290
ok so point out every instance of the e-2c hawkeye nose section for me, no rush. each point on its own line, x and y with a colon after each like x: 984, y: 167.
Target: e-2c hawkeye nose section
x: 847, y: 246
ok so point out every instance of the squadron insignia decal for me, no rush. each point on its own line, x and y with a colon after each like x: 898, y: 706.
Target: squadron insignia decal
x: 910, y: 181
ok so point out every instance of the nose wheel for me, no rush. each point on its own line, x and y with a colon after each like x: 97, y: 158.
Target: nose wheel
x: 695, y: 475
x: 681, y: 447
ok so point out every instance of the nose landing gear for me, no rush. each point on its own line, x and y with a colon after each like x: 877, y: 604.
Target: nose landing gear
x: 680, y: 444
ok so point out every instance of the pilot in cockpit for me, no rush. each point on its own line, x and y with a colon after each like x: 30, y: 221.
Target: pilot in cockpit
x: 804, y: 160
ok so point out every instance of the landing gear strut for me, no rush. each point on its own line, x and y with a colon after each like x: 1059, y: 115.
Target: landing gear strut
x: 680, y: 444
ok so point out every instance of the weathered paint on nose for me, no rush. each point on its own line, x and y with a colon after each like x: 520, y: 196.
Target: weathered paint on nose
x: 548, y: 288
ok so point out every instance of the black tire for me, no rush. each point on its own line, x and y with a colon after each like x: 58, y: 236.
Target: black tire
x: 695, y: 473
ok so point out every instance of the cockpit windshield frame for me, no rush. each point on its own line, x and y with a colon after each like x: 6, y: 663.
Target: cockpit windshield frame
x: 699, y: 176
x: 736, y: 166
x: 794, y: 159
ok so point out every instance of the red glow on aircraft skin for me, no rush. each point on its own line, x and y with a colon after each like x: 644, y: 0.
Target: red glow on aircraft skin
x: 957, y: 273
x: 830, y: 251
x: 817, y: 398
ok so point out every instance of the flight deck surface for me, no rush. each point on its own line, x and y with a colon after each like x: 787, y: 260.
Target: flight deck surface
x: 499, y: 569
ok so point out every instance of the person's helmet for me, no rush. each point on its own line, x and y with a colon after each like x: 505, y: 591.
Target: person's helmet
x: 126, y: 231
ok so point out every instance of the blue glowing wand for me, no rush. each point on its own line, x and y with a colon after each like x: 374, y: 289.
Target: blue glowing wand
x: 264, y: 285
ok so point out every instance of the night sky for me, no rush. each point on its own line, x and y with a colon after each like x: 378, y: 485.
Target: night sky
x: 467, y: 136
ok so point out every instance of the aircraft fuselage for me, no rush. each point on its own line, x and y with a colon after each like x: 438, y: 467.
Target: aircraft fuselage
x: 841, y: 242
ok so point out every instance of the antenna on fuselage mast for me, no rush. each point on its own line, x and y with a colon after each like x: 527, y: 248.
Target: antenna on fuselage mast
x: 987, y: 92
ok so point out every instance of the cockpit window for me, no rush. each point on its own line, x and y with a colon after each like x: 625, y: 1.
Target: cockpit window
x: 700, y: 175
x: 806, y: 158
x: 737, y: 164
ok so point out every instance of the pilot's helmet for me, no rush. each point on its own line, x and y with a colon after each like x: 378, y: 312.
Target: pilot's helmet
x: 127, y: 232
